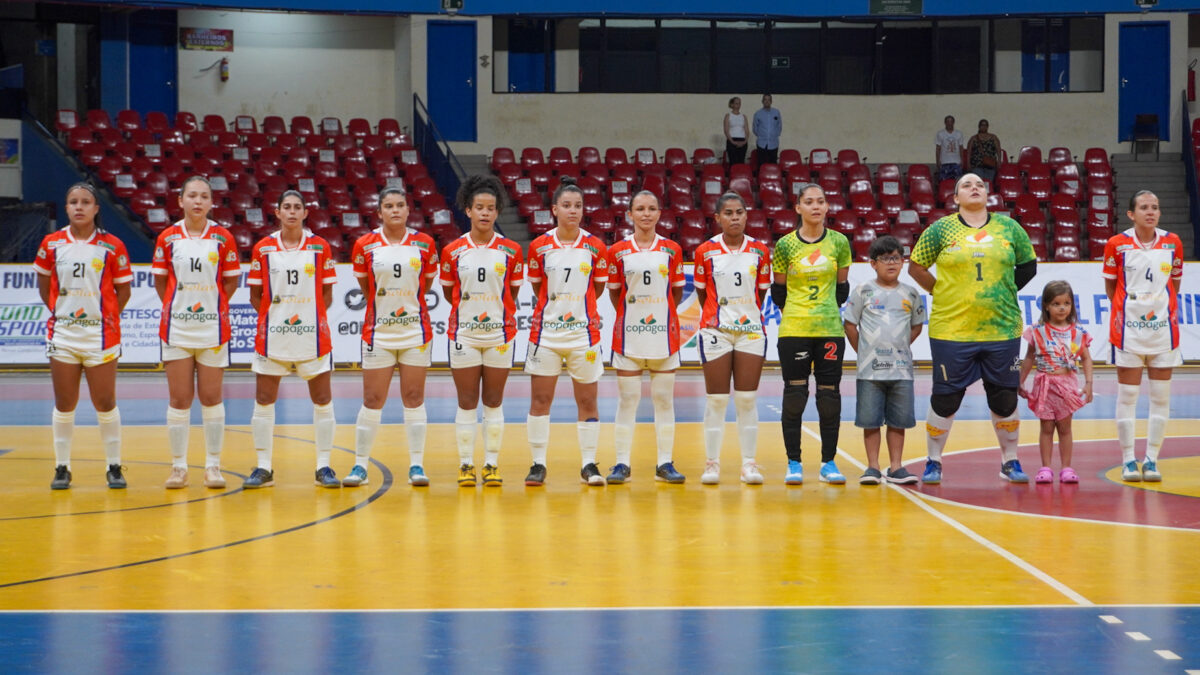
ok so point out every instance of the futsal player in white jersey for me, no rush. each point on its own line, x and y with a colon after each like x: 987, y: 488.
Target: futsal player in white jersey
x: 83, y: 277
x: 481, y: 274
x: 1143, y: 267
x: 395, y: 266
x: 196, y: 269
x: 732, y: 275
x: 568, y: 269
x: 645, y: 284
x: 291, y: 286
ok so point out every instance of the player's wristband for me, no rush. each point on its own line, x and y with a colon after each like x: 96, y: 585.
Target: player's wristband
x: 779, y: 295
x: 843, y: 292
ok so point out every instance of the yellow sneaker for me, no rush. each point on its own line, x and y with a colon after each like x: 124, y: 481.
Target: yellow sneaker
x: 491, y: 476
x: 466, y: 475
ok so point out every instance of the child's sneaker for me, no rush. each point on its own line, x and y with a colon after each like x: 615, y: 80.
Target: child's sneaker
x: 416, y: 476
x: 356, y: 477
x: 666, y: 473
x: 830, y: 474
x: 1044, y: 475
x: 536, y: 476
x: 116, y: 480
x: 491, y: 476
x: 933, y: 472
x: 177, y: 479
x: 213, y: 478
x: 62, y: 478
x: 870, y: 477
x: 324, y: 477
x: 618, y: 474
x: 590, y: 474
x: 751, y: 474
x: 1130, y: 473
x: 1150, y: 472
x: 1068, y: 475
x: 795, y: 474
x: 712, y: 473
x: 259, y: 478
x: 1011, y: 472
x: 466, y: 475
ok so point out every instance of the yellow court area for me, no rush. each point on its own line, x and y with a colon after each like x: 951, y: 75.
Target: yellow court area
x: 643, y: 544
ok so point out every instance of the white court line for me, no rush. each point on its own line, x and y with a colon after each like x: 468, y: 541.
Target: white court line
x: 1139, y: 637
x: 1168, y: 655
x: 1109, y: 618
x: 973, y: 535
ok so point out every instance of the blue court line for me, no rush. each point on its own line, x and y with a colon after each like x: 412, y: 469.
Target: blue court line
x: 379, y: 492
x: 733, y: 640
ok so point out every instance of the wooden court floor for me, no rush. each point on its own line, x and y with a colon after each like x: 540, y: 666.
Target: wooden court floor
x: 974, y: 542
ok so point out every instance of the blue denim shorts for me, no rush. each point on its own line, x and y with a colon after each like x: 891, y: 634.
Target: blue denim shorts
x: 883, y: 402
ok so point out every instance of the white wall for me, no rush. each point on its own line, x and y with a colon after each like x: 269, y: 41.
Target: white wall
x: 293, y: 64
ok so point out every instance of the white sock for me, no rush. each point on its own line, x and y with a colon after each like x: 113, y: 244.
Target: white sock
x: 366, y: 426
x: 1127, y: 396
x: 714, y: 424
x: 937, y: 432
x: 178, y: 426
x: 213, y: 419
x: 745, y: 403
x: 262, y: 431
x: 629, y: 394
x: 415, y: 423
x: 62, y: 428
x: 589, y: 440
x: 1160, y: 412
x: 537, y: 427
x: 1008, y: 431
x: 110, y: 434
x: 464, y: 435
x: 324, y: 424
x: 493, y: 434
x: 662, y: 394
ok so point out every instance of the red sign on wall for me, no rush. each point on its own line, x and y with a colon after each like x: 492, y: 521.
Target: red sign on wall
x: 207, y: 39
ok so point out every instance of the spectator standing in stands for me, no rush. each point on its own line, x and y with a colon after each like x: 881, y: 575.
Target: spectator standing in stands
x: 983, y: 153
x: 735, y: 132
x: 949, y: 150
x: 768, y: 125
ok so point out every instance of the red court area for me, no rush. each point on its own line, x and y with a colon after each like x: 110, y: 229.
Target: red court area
x: 971, y: 478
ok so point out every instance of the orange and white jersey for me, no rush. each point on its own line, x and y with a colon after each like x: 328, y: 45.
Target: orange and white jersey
x: 83, y: 299
x: 482, y: 280
x: 291, y: 315
x: 647, y: 324
x: 398, y: 273
x: 1145, y: 312
x: 195, y: 308
x: 565, y: 315
x: 731, y: 280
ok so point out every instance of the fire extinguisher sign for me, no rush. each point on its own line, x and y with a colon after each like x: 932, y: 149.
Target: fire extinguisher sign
x: 206, y: 39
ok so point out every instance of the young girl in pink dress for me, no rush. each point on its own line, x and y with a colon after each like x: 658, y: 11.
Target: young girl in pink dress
x: 1058, y: 346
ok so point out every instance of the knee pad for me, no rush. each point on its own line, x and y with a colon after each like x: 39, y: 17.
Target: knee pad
x: 629, y: 391
x: 945, y: 405
x: 795, y: 398
x: 829, y: 404
x: 1001, y: 400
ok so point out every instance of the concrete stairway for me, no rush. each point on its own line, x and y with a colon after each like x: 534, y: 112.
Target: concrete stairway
x: 1167, y: 179
x: 510, y: 221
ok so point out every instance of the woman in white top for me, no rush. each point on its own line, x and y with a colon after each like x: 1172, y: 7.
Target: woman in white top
x: 735, y: 133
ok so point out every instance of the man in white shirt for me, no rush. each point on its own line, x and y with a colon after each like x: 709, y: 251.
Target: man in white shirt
x: 951, y: 151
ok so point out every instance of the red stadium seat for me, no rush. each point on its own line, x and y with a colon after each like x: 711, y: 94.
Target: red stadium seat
x: 1096, y: 157
x: 1063, y: 205
x: 887, y: 173
x: 541, y: 175
x: 66, y: 120
x: 878, y: 221
x: 302, y: 126
x: 675, y: 157
x: 1029, y: 156
x: 559, y: 156
x: 702, y: 157
x: 892, y: 204
x: 743, y: 187
x: 946, y: 193
x: 1009, y: 188
x: 213, y: 124
x: 128, y: 120
x: 788, y: 159
x: 643, y: 157
x: 861, y: 198
x: 846, y: 222
x: 858, y: 172
x: 331, y: 126
x: 244, y: 124
x: 99, y: 119
x: 861, y: 243
x: 918, y: 171
x: 614, y: 157
x: 358, y: 127
x: 1058, y: 157
x: 273, y: 125
x: 1039, y: 183
x: 846, y: 159
x: 185, y: 122
x: 389, y: 128
x: 820, y: 158
x: 756, y: 225
x: 142, y: 137
x: 589, y: 157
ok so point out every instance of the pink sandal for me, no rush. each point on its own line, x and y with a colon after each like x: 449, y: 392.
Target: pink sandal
x: 1044, y: 475
x: 1068, y: 475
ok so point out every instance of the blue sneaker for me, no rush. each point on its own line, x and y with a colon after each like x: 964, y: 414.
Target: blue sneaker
x: 933, y: 472
x: 666, y: 473
x: 830, y: 474
x: 356, y: 477
x: 1130, y: 472
x: 326, y: 478
x: 259, y: 478
x: 1011, y: 472
x: 417, y: 477
x: 1150, y: 472
x: 795, y: 474
x: 618, y: 474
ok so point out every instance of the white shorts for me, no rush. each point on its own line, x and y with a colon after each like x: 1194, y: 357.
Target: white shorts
x: 467, y: 356
x: 622, y: 362
x: 1124, y: 359
x: 87, y: 357
x: 584, y: 365
x: 715, y: 343
x: 305, y: 369
x: 213, y: 357
x: 379, y: 357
